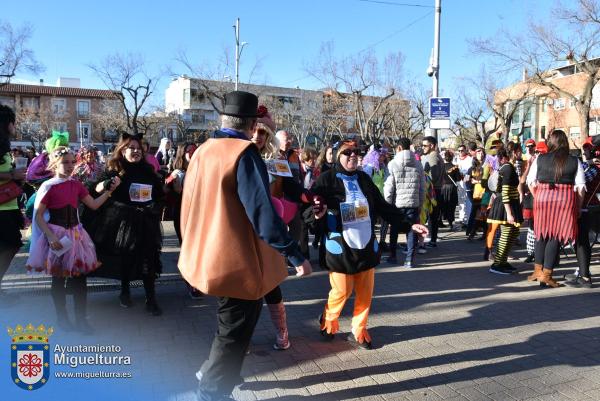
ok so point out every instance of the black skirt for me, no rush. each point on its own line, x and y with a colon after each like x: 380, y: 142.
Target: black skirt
x: 128, y: 240
x: 449, y: 198
x: 498, y: 212
x: 10, y: 234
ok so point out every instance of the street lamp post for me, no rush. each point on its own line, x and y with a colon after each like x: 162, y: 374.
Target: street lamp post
x: 434, y: 67
x: 238, y: 51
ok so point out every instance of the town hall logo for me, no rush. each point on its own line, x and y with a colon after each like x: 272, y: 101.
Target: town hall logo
x: 30, y: 356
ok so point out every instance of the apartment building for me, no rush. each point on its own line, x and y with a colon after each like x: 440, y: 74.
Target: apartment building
x: 540, y: 109
x: 65, y: 107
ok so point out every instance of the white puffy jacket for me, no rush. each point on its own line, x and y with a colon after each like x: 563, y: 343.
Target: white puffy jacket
x: 405, y: 186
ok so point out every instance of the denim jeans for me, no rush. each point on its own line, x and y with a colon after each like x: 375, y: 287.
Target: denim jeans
x: 412, y: 215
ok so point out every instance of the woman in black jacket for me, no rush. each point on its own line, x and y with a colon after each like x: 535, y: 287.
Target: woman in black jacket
x: 127, y: 231
x: 349, y: 249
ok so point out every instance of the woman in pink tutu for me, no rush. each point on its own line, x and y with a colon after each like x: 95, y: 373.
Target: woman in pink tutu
x: 63, y: 248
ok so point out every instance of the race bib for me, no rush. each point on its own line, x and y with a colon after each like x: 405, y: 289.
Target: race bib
x: 354, y: 212
x: 140, y: 192
x: 279, y: 167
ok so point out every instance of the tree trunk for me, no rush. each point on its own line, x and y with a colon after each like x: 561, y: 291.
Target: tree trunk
x: 584, y: 124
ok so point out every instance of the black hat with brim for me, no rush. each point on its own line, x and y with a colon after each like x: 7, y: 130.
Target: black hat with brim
x: 240, y: 104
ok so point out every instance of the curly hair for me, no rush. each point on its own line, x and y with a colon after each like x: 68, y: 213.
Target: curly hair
x: 116, y: 162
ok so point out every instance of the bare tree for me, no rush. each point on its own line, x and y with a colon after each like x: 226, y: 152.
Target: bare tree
x: 362, y: 80
x: 110, y: 119
x: 15, y: 56
x: 125, y: 74
x: 572, y: 37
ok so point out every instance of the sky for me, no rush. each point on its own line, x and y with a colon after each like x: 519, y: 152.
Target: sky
x: 283, y: 36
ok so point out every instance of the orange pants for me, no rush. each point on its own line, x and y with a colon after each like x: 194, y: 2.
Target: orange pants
x: 491, y: 233
x: 341, y: 289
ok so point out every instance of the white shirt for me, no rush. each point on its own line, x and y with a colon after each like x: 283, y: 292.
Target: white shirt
x: 579, y: 177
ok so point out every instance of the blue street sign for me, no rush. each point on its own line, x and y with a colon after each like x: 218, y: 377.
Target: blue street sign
x: 439, y: 108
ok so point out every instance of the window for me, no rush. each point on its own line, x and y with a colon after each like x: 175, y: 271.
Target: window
x: 59, y: 106
x: 559, y: 103
x: 30, y: 103
x: 84, y: 132
x: 186, y: 97
x: 527, y: 110
x: 60, y: 127
x: 543, y: 132
x: 83, y: 108
x: 574, y: 132
x: 8, y: 101
x: 197, y: 118
x: 526, y: 134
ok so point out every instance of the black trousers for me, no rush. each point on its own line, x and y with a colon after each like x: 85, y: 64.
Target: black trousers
x: 78, y: 286
x: 236, y: 320
x: 583, y: 247
x: 434, y: 217
x: 547, y: 252
x: 274, y: 296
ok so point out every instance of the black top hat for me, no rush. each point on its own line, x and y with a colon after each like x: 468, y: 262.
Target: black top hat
x: 240, y: 104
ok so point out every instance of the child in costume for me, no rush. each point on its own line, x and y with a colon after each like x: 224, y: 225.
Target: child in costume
x: 59, y: 244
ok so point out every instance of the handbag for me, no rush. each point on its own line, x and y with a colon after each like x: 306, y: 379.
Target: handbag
x: 478, y: 191
x: 9, y: 191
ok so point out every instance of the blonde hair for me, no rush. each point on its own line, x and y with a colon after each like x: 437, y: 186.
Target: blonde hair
x: 56, y: 156
x: 271, y: 148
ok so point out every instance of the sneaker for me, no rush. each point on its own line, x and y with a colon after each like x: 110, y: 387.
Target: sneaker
x: 579, y: 282
x: 363, y: 345
x: 498, y: 269
x: 407, y: 264
x: 421, y: 250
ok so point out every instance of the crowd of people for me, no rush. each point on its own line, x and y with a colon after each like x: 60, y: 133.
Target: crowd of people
x: 101, y: 216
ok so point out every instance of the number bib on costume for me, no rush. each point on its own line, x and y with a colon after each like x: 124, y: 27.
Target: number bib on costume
x: 354, y: 212
x: 140, y: 192
x: 356, y: 220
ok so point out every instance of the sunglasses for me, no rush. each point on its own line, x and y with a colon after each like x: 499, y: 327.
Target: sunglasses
x: 349, y: 152
x: 531, y: 146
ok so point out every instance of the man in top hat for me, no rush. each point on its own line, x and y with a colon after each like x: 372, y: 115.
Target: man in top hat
x: 234, y: 243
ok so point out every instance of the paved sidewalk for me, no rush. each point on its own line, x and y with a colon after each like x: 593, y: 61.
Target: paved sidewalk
x: 448, y: 330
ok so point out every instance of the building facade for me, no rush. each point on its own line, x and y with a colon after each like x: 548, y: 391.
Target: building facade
x: 308, y: 114
x: 538, y: 109
x: 42, y: 109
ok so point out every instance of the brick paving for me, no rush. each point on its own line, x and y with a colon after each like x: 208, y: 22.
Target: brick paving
x: 447, y: 330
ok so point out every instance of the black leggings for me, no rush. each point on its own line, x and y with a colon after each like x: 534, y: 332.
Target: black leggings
x: 547, y: 252
x: 584, y: 249
x: 274, y: 296
x: 78, y: 285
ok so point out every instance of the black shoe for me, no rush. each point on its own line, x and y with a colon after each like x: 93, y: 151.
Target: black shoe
x: 530, y: 258
x: 486, y: 253
x: 153, y: 308
x: 499, y: 269
x: 125, y: 300
x: 579, y: 282
x: 84, y: 327
x: 315, y: 244
x: 363, y: 345
x: 324, y: 332
x: 431, y: 245
x: 508, y: 267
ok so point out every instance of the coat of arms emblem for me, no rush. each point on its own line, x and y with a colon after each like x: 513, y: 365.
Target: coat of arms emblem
x: 30, y: 356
